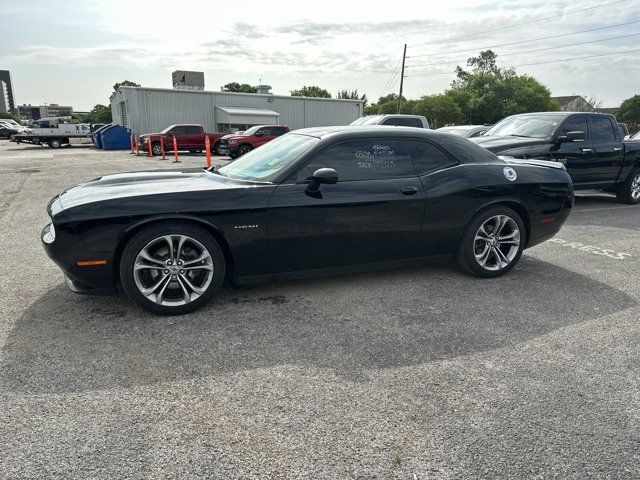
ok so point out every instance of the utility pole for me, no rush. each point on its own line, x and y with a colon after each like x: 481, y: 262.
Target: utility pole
x: 404, y: 57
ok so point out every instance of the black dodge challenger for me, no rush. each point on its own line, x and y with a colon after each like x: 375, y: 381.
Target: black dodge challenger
x: 312, y: 202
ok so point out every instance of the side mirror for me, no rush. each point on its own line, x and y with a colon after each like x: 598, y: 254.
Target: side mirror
x: 576, y: 136
x: 323, y: 175
x: 259, y: 133
x: 627, y: 137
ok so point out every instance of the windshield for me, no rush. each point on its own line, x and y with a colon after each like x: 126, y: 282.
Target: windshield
x: 167, y: 130
x: 636, y: 136
x: 264, y: 163
x: 251, y: 131
x: 533, y: 126
x: 367, y: 120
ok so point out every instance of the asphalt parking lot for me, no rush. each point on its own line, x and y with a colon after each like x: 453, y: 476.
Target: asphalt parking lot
x: 418, y: 373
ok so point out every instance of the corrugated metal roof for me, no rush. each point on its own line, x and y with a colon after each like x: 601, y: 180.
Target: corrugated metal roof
x: 248, y: 111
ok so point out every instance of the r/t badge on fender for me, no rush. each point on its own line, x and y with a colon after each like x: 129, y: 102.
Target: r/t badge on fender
x: 509, y: 173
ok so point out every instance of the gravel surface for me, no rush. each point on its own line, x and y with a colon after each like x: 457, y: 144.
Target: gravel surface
x: 417, y: 373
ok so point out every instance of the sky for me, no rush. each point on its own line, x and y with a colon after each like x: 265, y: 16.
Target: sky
x: 71, y: 52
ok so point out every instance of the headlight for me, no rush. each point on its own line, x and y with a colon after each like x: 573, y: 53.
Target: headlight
x: 231, y: 142
x: 49, y: 234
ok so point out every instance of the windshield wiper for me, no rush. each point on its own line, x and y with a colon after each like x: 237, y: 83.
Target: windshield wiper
x: 516, y: 135
x: 213, y: 169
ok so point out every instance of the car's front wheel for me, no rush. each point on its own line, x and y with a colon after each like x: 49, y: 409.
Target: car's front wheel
x: 629, y: 191
x: 244, y: 149
x: 156, y: 148
x: 492, y: 242
x: 172, y: 268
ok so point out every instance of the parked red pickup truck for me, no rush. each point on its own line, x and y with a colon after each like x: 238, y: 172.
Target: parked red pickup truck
x: 236, y: 145
x: 188, y: 137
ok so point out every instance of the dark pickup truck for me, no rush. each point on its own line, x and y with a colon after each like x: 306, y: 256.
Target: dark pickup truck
x: 588, y: 144
x: 188, y: 137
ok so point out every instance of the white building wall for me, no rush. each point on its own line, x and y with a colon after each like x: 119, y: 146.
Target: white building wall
x: 151, y: 110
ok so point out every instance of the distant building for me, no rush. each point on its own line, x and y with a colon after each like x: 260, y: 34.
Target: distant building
x: 185, y: 80
x: 30, y: 113
x: 574, y: 103
x: 7, y: 104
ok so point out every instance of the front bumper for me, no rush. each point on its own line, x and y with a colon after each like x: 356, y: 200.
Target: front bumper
x: 66, y: 249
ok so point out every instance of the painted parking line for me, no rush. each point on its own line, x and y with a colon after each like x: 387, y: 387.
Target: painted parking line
x: 619, y: 207
x: 606, y: 252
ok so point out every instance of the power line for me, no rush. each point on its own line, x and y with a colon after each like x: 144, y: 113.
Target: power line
x: 390, y: 80
x: 530, y: 51
x: 538, y: 63
x: 527, y: 41
x: 528, y: 22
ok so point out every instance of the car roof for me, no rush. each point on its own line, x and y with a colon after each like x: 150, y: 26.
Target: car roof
x: 461, y: 148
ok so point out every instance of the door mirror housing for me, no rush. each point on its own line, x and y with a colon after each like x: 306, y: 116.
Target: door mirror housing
x: 323, y: 175
x: 576, y: 136
x: 259, y: 133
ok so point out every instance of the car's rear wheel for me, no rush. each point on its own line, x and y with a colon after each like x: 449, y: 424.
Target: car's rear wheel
x: 492, y: 242
x: 244, y: 149
x: 55, y: 143
x: 172, y: 268
x: 629, y: 191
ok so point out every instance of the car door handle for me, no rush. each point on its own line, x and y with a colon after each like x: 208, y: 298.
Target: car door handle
x: 617, y: 149
x: 586, y: 150
x: 409, y: 190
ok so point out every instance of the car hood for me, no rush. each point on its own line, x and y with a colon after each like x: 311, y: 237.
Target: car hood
x: 499, y: 144
x: 136, y: 184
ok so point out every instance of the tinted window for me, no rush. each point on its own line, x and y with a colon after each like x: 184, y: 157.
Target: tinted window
x: 178, y: 131
x: 576, y: 123
x: 409, y: 122
x: 278, y: 131
x: 363, y: 160
x: 602, y: 129
x: 428, y: 158
x: 390, y: 121
x: 193, y: 130
x: 477, y: 134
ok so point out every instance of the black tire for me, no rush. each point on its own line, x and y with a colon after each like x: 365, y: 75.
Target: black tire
x: 494, y: 265
x: 629, y: 191
x: 55, y: 143
x: 169, y: 291
x: 244, y: 149
x: 156, y: 148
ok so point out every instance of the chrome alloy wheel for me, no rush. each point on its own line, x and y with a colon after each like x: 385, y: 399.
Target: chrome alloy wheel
x: 635, y: 187
x: 173, y: 270
x: 497, y: 242
x: 156, y: 149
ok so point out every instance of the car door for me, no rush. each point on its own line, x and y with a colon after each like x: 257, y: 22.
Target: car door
x: 266, y: 135
x: 181, y: 137
x: 372, y: 214
x: 607, y: 149
x: 577, y: 156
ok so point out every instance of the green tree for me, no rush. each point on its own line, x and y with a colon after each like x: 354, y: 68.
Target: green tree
x: 439, y: 109
x: 353, y: 95
x: 238, y: 87
x: 125, y: 83
x: 100, y: 114
x: 629, y: 112
x: 311, y: 91
x: 10, y: 116
x: 488, y: 93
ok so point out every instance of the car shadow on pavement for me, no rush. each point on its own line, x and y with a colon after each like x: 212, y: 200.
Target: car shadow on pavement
x: 351, y: 324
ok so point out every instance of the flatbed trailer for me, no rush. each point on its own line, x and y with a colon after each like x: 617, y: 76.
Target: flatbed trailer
x: 64, y: 134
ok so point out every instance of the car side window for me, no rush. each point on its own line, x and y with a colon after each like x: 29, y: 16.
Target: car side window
x: 602, y: 130
x: 266, y: 132
x: 577, y: 123
x: 277, y: 131
x: 390, y: 121
x: 178, y: 131
x: 193, y: 130
x: 428, y: 158
x: 362, y: 160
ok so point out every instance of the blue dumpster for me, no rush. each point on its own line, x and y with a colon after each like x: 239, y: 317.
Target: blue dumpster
x: 115, y: 137
x: 97, y: 140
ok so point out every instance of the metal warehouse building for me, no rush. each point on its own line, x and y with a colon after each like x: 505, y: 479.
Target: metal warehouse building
x: 145, y: 110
